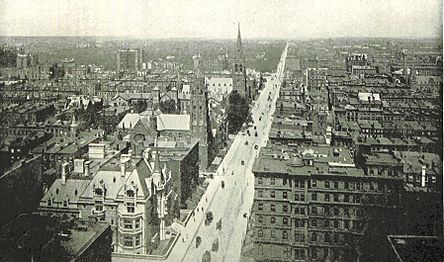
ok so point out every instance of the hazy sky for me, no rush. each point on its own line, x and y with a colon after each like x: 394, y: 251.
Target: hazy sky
x: 218, y: 18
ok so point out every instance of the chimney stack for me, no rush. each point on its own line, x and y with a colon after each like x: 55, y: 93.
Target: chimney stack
x: 123, y: 168
x: 87, y: 169
x: 64, y: 172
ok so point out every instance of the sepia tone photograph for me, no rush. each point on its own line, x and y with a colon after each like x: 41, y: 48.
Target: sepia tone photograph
x: 221, y: 131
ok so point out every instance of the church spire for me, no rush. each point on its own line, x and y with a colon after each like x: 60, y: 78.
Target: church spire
x: 239, y: 40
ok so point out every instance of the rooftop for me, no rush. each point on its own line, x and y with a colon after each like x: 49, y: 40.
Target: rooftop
x: 417, y: 248
x: 53, y: 237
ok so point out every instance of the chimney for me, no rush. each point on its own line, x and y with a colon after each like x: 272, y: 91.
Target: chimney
x: 423, y: 176
x: 87, y: 169
x: 123, y: 168
x: 64, y: 172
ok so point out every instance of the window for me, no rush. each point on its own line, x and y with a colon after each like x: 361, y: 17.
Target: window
x: 49, y: 203
x: 346, y: 212
x: 130, y: 193
x: 327, y: 237
x: 327, y: 184
x: 336, y: 197
x: 99, y: 205
x: 299, y: 197
x: 336, y: 185
x: 260, y: 206
x: 272, y: 208
x: 336, y: 211
x: 65, y: 203
x: 346, y: 224
x: 326, y: 223
x: 260, y: 219
x: 301, y: 184
x: 299, y: 237
x: 284, y: 195
x: 137, y: 223
x: 127, y: 224
x: 98, y: 192
x: 285, y: 208
x: 130, y: 207
x: 327, y: 197
x: 284, y: 181
x: 285, y: 221
x: 314, y: 223
x: 314, y: 210
x: 346, y: 185
x: 272, y: 181
x: 128, y: 241
x: 284, y: 234
x: 137, y: 240
x: 314, y: 237
x: 260, y: 181
x: 273, y: 234
x: 346, y: 198
x: 314, y: 197
x: 260, y: 233
x: 313, y: 183
x: 273, y: 194
x: 433, y: 179
x: 299, y: 253
x: 260, y: 193
x: 335, y: 223
x: 299, y: 222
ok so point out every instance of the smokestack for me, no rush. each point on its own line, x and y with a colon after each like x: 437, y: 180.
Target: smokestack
x: 423, y: 176
x: 87, y: 170
x: 64, y: 172
x: 123, y: 168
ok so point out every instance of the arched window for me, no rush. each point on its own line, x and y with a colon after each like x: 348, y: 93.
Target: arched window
x: 98, y: 192
x: 130, y: 193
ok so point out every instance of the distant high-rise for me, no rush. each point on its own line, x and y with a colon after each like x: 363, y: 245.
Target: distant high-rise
x: 129, y: 59
x: 239, y: 69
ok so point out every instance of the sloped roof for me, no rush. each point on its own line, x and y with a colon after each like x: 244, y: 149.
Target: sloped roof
x: 70, y: 191
x: 365, y: 96
x: 173, y: 122
x: 129, y: 121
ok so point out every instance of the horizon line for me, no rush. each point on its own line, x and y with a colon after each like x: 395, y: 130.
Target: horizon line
x: 225, y: 38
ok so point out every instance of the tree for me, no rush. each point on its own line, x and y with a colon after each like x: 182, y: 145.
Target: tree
x: 168, y: 107
x: 140, y: 106
x: 238, y: 112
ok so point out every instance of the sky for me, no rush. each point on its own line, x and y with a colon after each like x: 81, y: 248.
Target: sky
x: 283, y: 19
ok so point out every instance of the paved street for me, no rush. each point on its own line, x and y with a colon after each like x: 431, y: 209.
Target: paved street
x: 232, y: 202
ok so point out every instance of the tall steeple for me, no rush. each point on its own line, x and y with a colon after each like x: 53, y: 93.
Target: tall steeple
x: 239, y: 40
x: 239, y: 68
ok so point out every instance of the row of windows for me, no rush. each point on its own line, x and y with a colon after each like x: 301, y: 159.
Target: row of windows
x: 281, y: 182
x: 131, y: 241
x: 283, y: 234
x: 336, y: 224
x: 344, y: 185
x: 272, y: 194
x: 130, y: 223
x: 327, y: 197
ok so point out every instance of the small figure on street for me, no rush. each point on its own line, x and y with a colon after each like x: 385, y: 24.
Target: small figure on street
x: 206, y: 199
